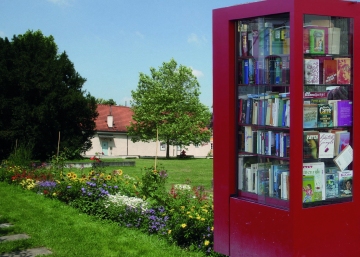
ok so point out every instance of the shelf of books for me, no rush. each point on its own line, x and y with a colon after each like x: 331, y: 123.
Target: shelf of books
x: 328, y: 110
x: 263, y: 81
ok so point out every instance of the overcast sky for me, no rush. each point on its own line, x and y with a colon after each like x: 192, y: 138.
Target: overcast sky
x: 111, y: 41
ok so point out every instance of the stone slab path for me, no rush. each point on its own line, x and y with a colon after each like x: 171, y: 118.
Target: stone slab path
x: 25, y: 253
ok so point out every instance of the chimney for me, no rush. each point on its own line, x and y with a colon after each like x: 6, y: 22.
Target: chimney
x: 110, y: 119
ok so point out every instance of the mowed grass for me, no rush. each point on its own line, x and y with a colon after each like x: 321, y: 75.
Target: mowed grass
x: 196, y: 172
x: 67, y: 232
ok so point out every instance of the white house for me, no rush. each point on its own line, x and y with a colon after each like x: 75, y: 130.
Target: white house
x: 111, y: 138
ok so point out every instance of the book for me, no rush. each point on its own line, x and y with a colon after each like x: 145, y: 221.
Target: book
x: 245, y: 71
x: 316, y: 169
x: 334, y: 40
x: 244, y: 43
x: 311, y: 95
x: 345, y: 183
x: 277, y: 42
x: 285, y: 185
x: 342, y: 139
x: 335, y: 114
x: 343, y: 70
x: 311, y: 70
x: 329, y: 72
x: 310, y: 116
x: 344, y: 158
x: 325, y: 116
x: 276, y: 170
x: 332, y: 185
x: 344, y: 113
x: 326, y: 145
x: 263, y: 181
x: 311, y: 145
x: 308, y: 187
x: 317, y: 40
x: 248, y: 139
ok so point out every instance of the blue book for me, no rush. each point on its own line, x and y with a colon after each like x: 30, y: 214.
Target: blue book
x: 245, y: 77
x: 276, y: 171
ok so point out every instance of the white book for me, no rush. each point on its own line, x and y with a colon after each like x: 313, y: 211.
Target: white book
x: 285, y: 185
x: 316, y: 169
x: 326, y: 145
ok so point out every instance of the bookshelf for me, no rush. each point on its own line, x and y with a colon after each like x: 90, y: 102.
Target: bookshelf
x: 285, y: 140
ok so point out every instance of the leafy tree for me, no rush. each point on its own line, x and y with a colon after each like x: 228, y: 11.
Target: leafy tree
x: 41, y: 95
x: 166, y: 103
x: 106, y: 102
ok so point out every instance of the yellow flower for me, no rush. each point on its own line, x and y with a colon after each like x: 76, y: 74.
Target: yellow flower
x: 190, y: 216
x: 183, y: 225
x: 120, y: 172
x: 207, y: 242
x: 74, y: 176
x: 202, y: 219
x: 92, y: 173
x: 188, y: 212
x: 69, y: 175
x: 54, y: 194
x: 169, y: 231
x: 108, y: 177
x: 198, y: 217
x: 182, y: 207
x: 212, y: 228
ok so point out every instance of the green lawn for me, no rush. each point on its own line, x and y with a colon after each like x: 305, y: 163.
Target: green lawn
x: 197, y: 172
x: 67, y: 232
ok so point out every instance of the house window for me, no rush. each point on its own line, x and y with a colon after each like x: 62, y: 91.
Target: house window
x: 162, y: 146
x: 178, y: 147
x: 211, y: 145
x: 197, y: 145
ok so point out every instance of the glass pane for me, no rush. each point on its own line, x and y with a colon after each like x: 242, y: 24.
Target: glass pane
x: 263, y: 77
x: 328, y: 110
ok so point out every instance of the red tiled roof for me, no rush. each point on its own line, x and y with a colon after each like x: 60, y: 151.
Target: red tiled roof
x: 122, y: 117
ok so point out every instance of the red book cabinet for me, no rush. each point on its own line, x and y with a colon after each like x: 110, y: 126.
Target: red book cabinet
x: 286, y: 136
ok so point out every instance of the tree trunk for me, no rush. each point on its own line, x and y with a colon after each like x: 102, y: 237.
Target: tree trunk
x: 167, y: 149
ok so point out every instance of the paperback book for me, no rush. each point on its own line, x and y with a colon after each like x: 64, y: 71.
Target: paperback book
x: 311, y: 70
x: 344, y: 113
x: 311, y: 145
x: 329, y: 72
x: 316, y: 169
x: 345, y: 183
x: 275, y: 179
x: 343, y: 70
x: 310, y: 119
x: 326, y: 145
x: 332, y: 185
x: 325, y: 116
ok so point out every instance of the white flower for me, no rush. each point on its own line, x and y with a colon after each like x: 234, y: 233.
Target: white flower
x: 182, y: 187
x: 123, y: 200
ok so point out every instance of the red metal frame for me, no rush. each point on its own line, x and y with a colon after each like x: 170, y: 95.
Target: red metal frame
x: 245, y: 228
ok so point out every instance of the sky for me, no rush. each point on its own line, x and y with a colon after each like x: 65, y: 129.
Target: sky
x: 111, y: 41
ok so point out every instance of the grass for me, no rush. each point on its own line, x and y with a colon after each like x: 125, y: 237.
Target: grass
x: 67, y: 232
x: 197, y: 172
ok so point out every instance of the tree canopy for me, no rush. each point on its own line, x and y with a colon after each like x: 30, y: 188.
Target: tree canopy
x: 41, y: 96
x: 166, y: 103
x: 105, y: 102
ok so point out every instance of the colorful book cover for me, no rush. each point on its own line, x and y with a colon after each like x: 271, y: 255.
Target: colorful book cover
x: 311, y: 145
x: 326, y: 145
x: 330, y: 72
x: 255, y: 44
x: 315, y: 95
x: 276, y: 171
x: 267, y: 41
x: 342, y: 139
x: 318, y: 101
x: 344, y: 113
x: 316, y: 169
x: 332, y: 185
x: 308, y: 188
x: 285, y: 79
x: 244, y: 43
x: 277, y: 43
x: 311, y: 70
x: 263, y: 181
x: 317, y: 41
x: 343, y: 70
x: 345, y: 183
x: 310, y: 116
x: 259, y: 72
x: 325, y: 116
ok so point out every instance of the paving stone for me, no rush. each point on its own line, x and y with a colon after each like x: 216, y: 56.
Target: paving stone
x: 5, y: 225
x: 13, y: 237
x: 28, y: 253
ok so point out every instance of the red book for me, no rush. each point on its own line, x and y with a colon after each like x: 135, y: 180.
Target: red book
x: 329, y: 72
x: 343, y: 70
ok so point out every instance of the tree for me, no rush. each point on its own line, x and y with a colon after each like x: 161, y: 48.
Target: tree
x: 41, y: 96
x: 106, y: 102
x: 166, y: 103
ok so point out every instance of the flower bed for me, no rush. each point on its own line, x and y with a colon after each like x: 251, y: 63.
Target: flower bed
x: 183, y: 216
